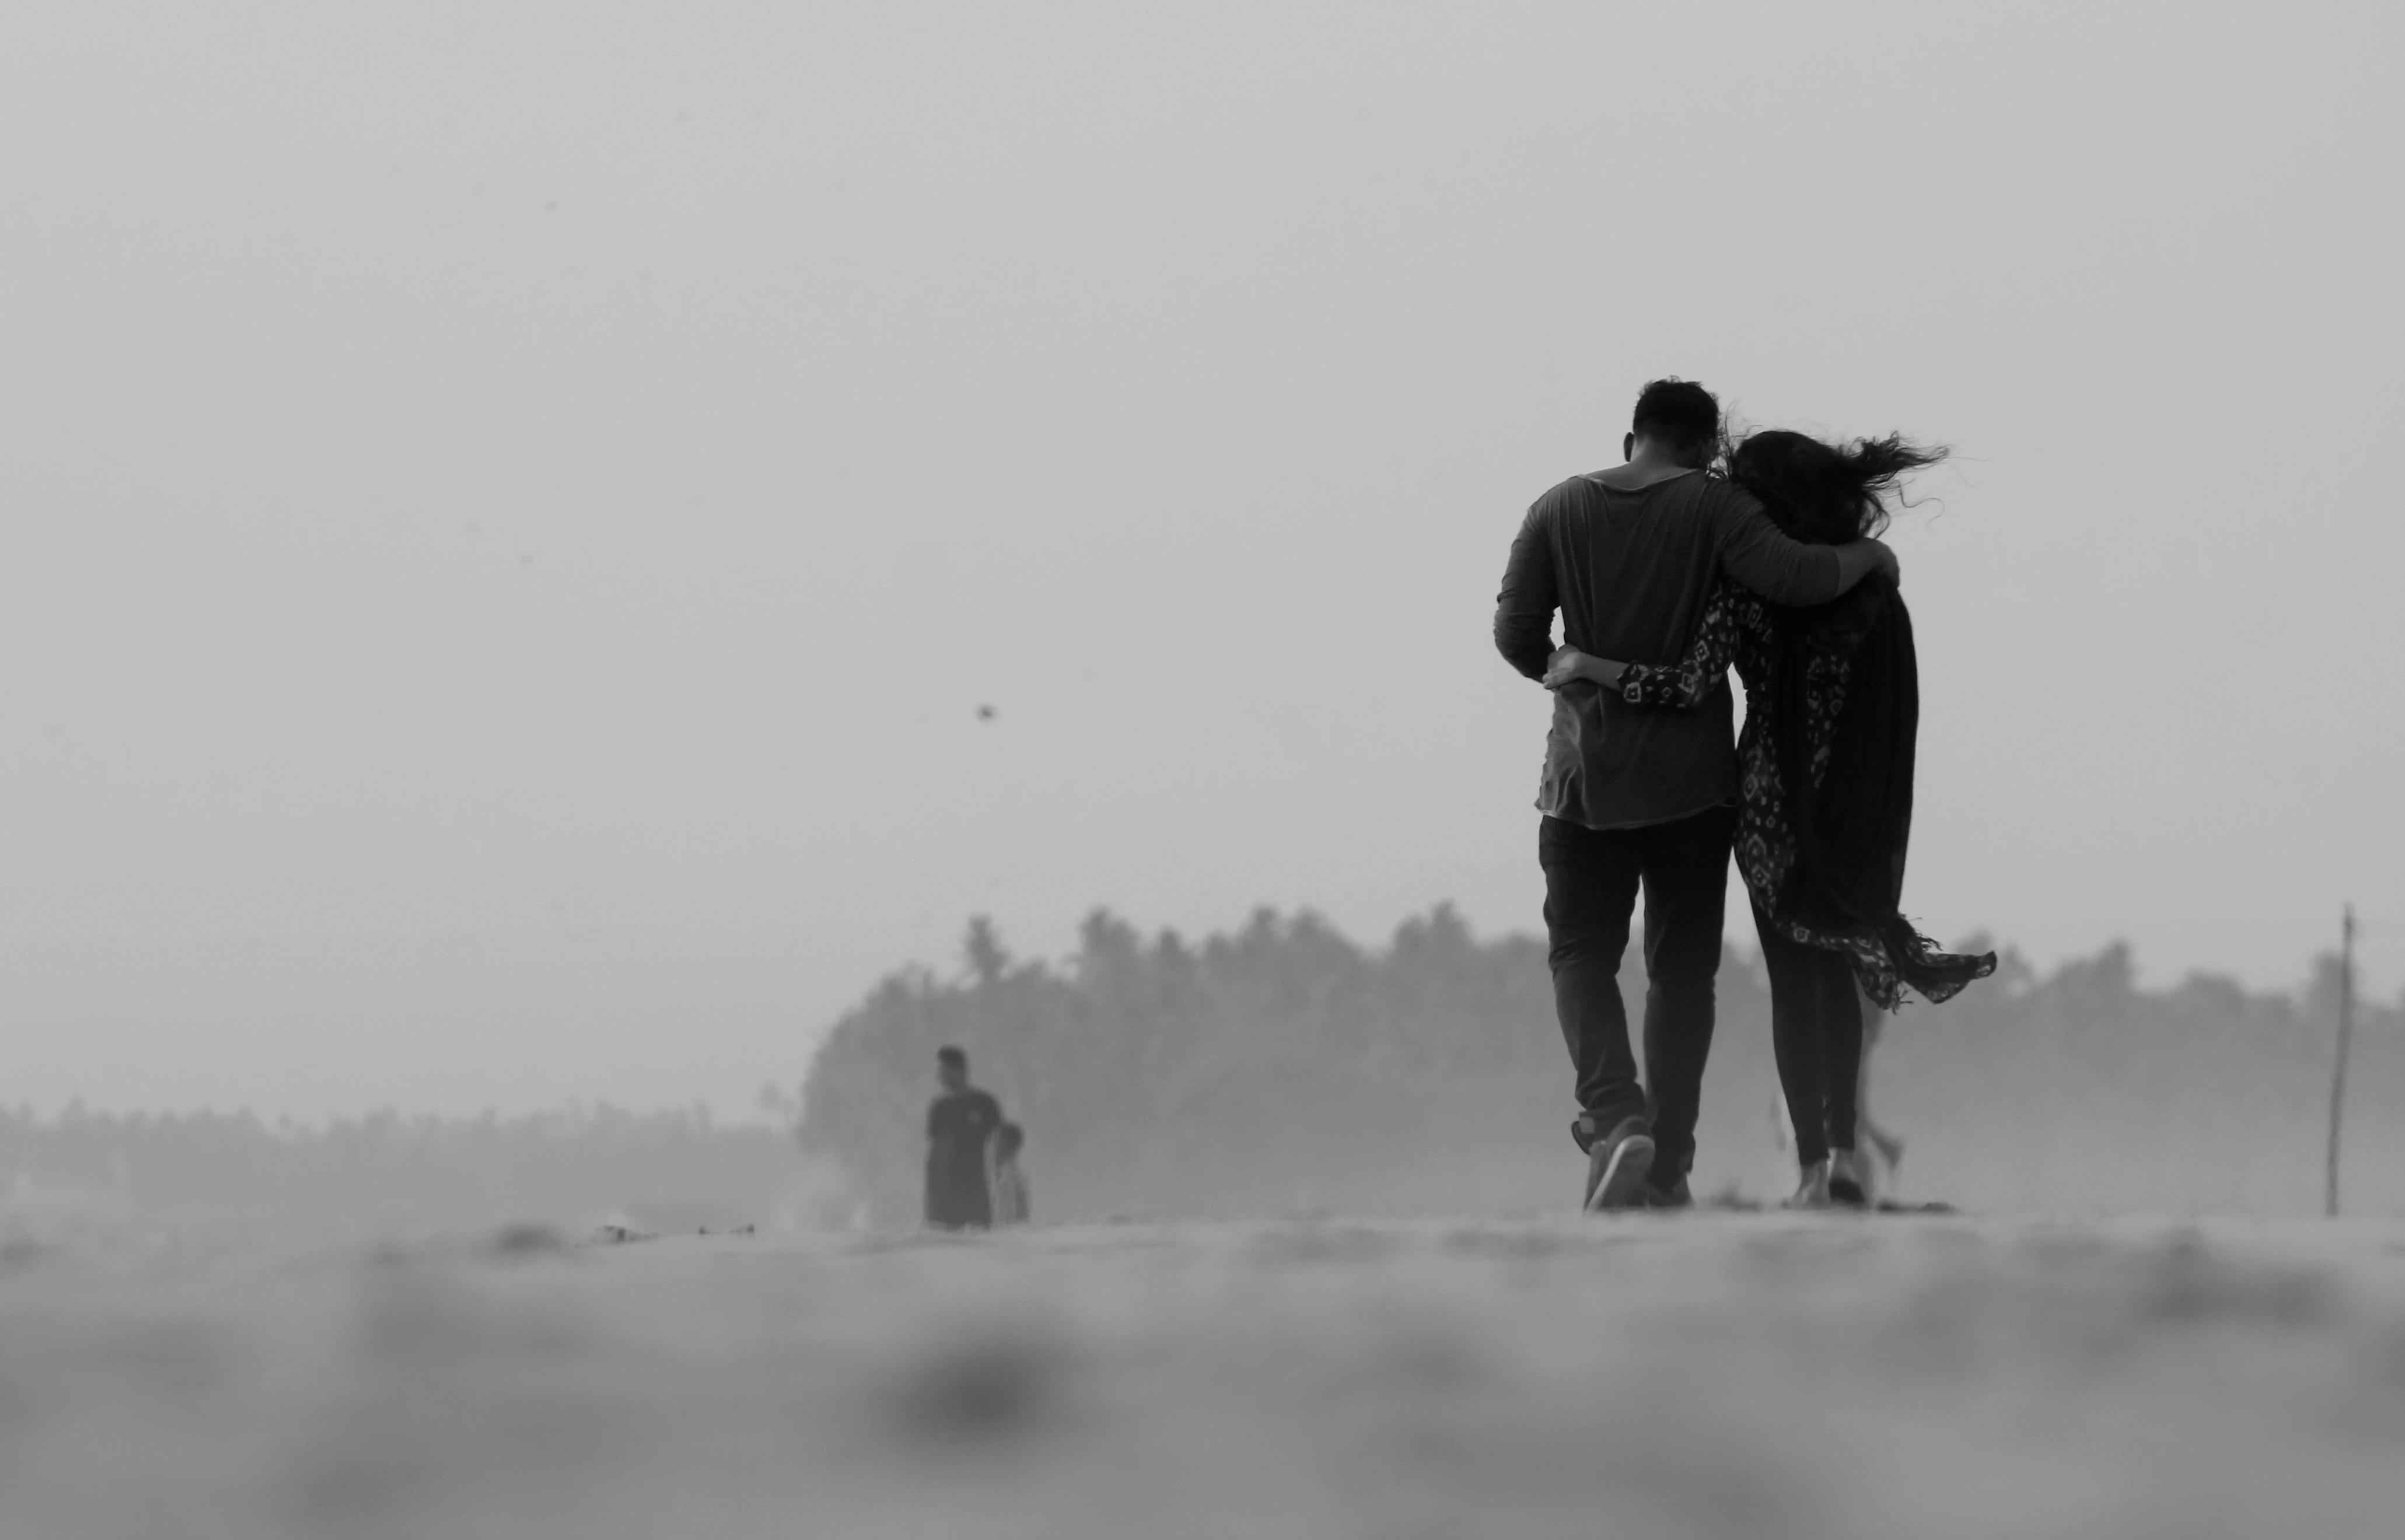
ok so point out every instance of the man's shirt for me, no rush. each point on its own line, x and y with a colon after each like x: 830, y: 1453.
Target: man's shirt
x: 1630, y: 572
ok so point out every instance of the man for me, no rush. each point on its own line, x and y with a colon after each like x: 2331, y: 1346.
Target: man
x: 959, y: 1122
x: 1633, y: 798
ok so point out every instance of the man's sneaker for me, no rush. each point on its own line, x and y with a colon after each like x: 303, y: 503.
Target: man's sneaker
x: 1812, y: 1189
x: 1617, y: 1165
x: 1675, y: 1195
x: 1850, y: 1179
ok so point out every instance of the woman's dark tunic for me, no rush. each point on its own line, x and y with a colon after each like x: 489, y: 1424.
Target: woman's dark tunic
x: 1824, y: 763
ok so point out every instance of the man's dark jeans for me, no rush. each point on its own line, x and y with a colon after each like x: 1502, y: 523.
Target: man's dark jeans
x: 1591, y: 877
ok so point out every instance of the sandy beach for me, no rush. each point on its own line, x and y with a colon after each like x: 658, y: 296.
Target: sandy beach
x: 1720, y: 1374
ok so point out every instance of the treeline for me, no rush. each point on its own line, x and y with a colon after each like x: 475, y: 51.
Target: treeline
x: 1277, y: 1067
x: 1283, y: 1067
x: 385, y: 1173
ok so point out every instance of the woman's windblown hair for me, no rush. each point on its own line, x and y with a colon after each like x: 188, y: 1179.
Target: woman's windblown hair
x: 1827, y: 493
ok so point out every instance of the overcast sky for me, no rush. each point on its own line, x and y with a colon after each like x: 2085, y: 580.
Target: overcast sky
x: 508, y: 511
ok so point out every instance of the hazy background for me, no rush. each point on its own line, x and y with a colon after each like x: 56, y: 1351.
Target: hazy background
x: 508, y: 511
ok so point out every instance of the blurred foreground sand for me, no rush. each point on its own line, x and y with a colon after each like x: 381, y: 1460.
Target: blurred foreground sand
x: 1704, y: 1374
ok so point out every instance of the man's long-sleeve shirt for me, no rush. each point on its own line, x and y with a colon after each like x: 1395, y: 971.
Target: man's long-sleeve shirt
x: 1630, y: 572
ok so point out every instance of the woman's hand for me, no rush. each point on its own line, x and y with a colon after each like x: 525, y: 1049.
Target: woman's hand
x: 1568, y: 664
x: 1562, y: 668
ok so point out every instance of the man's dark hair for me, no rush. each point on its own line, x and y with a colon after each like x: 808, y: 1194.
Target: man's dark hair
x: 949, y: 1055
x: 1680, y: 415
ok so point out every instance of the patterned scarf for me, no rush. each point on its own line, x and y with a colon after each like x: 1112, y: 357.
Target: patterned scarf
x: 1852, y: 831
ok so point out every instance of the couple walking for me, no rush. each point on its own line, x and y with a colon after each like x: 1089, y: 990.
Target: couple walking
x: 1666, y: 574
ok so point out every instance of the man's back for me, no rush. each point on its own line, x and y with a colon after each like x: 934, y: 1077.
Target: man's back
x: 1630, y: 570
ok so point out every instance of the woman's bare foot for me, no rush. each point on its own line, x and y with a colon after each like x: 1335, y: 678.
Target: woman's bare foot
x: 1811, y: 1189
x: 1850, y: 1179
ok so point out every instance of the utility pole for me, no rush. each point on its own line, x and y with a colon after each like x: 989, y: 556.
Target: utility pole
x: 2346, y: 1032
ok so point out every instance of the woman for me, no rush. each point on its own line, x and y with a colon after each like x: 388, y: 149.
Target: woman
x: 1825, y: 766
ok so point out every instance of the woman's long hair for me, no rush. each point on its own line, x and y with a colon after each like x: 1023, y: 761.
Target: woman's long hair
x: 1826, y: 493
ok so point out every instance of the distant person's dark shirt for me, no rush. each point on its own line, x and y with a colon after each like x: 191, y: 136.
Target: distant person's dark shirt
x: 1630, y: 572
x: 959, y: 1124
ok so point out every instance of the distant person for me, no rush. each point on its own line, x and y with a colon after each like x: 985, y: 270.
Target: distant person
x: 1636, y: 798
x: 960, y: 1123
x: 1009, y: 1181
x: 1832, y: 706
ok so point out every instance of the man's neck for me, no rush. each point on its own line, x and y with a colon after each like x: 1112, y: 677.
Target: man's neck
x: 1642, y: 471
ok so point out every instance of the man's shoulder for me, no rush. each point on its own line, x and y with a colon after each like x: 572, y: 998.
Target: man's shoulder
x: 1709, y: 507
x: 1722, y: 507
x: 1710, y: 491
x: 1723, y: 497
x: 1569, y: 492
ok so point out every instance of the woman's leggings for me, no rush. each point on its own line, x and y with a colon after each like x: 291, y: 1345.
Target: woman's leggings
x: 1816, y: 1029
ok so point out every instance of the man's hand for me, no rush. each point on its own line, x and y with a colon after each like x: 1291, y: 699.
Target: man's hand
x: 1568, y: 664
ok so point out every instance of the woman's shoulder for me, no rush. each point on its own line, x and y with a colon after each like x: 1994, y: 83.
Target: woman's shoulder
x: 1851, y: 615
